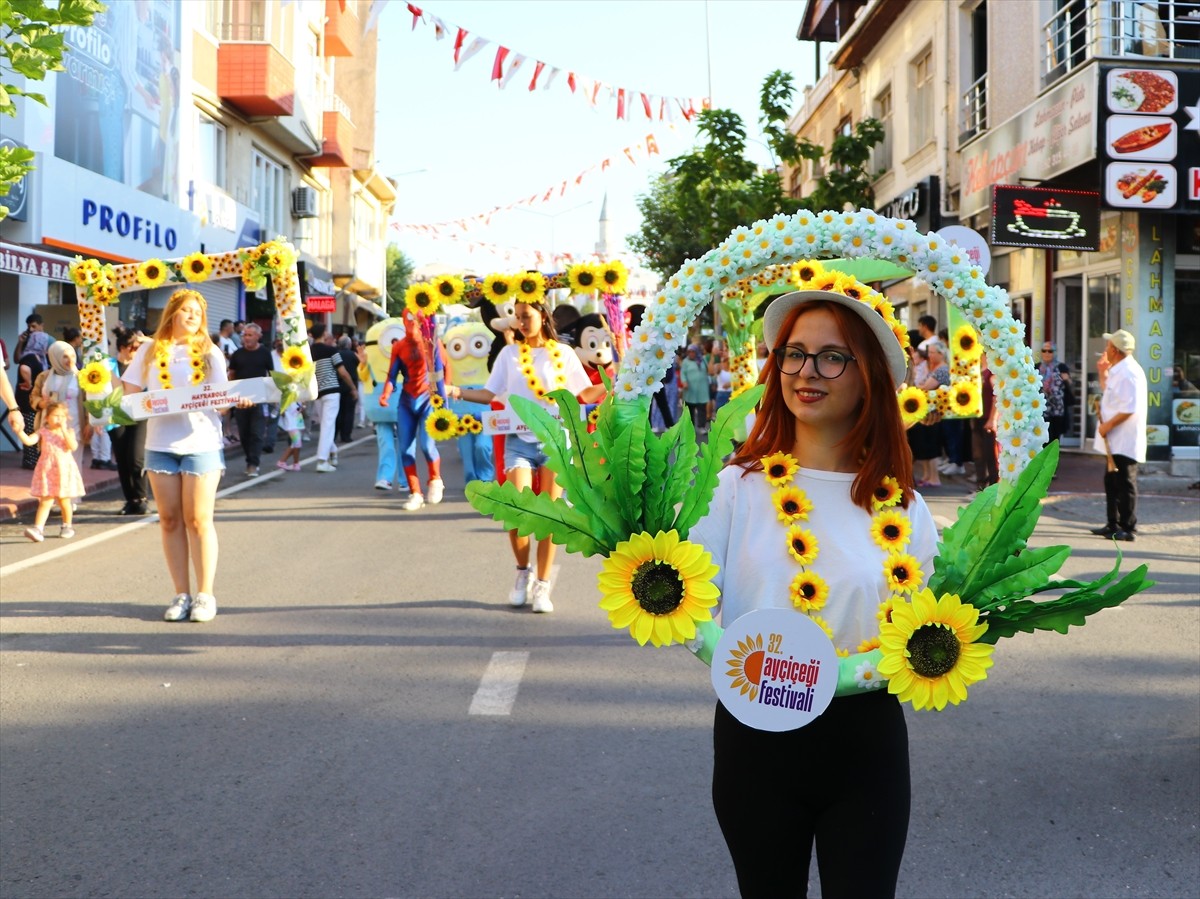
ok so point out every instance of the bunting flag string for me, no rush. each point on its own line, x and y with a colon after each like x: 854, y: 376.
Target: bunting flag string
x: 642, y: 149
x: 507, y: 61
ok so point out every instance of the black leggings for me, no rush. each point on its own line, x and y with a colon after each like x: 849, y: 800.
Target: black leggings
x: 842, y: 780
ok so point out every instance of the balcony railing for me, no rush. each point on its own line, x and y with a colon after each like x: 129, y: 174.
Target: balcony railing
x: 974, y: 109
x: 334, y: 103
x: 1082, y: 30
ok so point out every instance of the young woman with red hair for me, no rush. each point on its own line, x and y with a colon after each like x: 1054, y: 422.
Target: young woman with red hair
x: 798, y: 521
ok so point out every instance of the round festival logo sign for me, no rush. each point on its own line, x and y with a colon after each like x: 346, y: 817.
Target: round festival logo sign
x: 775, y: 670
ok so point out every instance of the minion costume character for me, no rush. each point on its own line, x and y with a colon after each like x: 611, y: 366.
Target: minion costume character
x: 373, y: 376
x: 467, y: 345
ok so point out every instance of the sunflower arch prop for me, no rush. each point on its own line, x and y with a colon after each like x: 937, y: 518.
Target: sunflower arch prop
x: 99, y: 284
x: 634, y: 495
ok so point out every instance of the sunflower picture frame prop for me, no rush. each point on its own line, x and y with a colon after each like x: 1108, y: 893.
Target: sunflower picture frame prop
x: 626, y: 501
x: 100, y: 284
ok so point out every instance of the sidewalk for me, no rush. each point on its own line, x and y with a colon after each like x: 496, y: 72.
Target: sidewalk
x: 1078, y: 473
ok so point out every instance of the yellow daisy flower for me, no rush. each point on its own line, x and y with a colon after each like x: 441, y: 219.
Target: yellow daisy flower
x: 914, y: 405
x: 823, y: 625
x: 887, y: 494
x: 583, y: 278
x: 475, y: 426
x: 779, y: 468
x: 930, y: 651
x: 497, y: 287
x: 195, y: 267
x: 529, y: 287
x: 420, y: 299
x: 658, y: 587
x: 868, y: 645
x: 890, y: 529
x: 809, y: 591
x: 94, y: 377
x: 441, y: 424
x: 151, y: 273
x: 903, y: 573
x: 807, y: 270
x: 965, y: 344
x: 436, y: 401
x: 802, y: 544
x: 196, y: 377
x: 791, y: 503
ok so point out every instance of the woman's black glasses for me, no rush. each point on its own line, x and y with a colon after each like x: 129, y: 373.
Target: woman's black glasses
x: 828, y: 364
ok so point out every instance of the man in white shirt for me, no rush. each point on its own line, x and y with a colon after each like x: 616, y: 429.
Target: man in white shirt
x: 1122, y: 432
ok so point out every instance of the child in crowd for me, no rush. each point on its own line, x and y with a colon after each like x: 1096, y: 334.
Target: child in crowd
x: 56, y: 479
x: 292, y: 423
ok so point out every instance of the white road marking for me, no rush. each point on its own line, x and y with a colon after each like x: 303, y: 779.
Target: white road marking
x: 498, y: 688
x: 121, y: 530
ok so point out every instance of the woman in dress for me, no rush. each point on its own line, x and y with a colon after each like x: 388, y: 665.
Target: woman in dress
x: 796, y: 523
x: 1056, y: 386
x: 60, y: 384
x: 184, y: 451
x: 534, y: 366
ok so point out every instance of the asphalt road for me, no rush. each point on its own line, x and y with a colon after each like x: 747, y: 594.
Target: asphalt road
x: 317, y: 739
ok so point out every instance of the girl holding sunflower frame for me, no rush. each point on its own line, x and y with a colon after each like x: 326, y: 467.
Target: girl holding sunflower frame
x: 184, y: 452
x: 532, y: 367
x: 827, y: 473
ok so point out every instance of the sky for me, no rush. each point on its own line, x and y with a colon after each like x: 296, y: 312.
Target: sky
x: 458, y: 145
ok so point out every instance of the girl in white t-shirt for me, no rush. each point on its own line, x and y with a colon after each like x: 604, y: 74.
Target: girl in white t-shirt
x: 184, y: 451
x: 537, y: 364
x: 816, y: 511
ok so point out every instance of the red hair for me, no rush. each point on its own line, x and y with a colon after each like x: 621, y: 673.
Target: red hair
x: 878, y: 429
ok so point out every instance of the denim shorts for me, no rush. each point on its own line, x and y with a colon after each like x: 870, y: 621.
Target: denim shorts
x: 520, y: 453
x: 187, y: 463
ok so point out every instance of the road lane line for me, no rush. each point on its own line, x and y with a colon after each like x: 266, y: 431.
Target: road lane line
x: 498, y: 688
x: 121, y: 530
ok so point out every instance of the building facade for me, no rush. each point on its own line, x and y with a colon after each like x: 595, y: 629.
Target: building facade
x: 1077, y: 110
x: 208, y: 126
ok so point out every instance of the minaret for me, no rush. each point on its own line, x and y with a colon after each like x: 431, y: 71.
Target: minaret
x: 603, y: 245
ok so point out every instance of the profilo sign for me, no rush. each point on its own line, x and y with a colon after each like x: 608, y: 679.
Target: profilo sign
x: 1045, y: 217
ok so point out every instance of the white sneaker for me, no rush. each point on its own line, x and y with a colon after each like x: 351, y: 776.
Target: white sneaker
x: 383, y: 484
x: 322, y: 465
x: 954, y: 470
x: 179, y: 608
x: 520, y: 591
x: 541, y: 596
x: 333, y: 459
x: 436, y: 489
x: 204, y: 607
x: 414, y: 502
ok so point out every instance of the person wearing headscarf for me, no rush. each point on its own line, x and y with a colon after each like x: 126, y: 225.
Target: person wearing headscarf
x: 31, y: 363
x: 60, y: 384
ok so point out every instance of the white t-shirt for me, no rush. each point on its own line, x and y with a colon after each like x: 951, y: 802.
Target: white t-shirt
x: 747, y: 540
x: 183, y: 432
x: 724, y: 379
x: 506, y: 379
x: 1125, y: 391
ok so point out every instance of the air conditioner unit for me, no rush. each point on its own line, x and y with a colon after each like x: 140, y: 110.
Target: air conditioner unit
x: 305, y: 203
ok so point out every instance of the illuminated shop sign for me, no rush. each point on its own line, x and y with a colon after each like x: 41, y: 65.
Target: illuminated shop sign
x: 1045, y: 217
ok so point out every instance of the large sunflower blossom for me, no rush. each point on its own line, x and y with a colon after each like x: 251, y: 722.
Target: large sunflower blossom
x: 914, y: 405
x: 529, y: 287
x: 94, y: 377
x: 295, y: 361
x: 441, y: 424
x: 779, y: 468
x: 791, y: 503
x: 448, y: 288
x: 583, y: 278
x: 195, y: 267
x: 658, y: 587
x: 965, y: 399
x: 151, y: 273
x: 930, y: 653
x: 613, y: 277
x: 890, y: 529
x: 965, y: 344
x: 421, y: 299
x: 497, y: 287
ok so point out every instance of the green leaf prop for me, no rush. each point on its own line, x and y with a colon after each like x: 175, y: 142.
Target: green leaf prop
x: 528, y: 513
x: 983, y: 558
x: 624, y: 447
x: 696, y: 502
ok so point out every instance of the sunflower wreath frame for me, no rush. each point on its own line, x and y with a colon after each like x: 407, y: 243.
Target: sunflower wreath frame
x: 98, y: 285
x: 984, y: 573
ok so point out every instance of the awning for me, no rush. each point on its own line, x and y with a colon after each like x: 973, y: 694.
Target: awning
x: 18, y: 260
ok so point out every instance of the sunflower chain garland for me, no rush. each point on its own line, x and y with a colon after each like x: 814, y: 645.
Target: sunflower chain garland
x: 525, y: 365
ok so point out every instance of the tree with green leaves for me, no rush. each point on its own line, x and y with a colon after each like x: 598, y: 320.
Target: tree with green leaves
x: 713, y: 189
x: 399, y: 274
x: 31, y: 45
